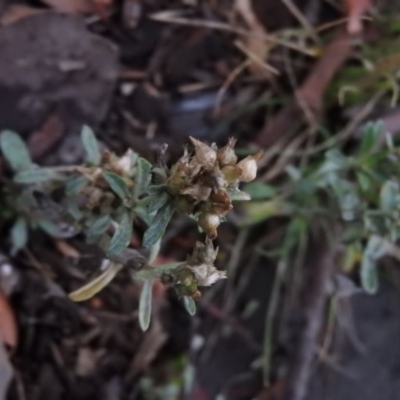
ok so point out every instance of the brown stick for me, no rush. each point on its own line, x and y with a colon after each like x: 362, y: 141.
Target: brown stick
x: 310, y: 94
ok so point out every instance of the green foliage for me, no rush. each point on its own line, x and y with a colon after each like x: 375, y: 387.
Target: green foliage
x: 91, y: 146
x: 15, y: 151
x: 145, y: 301
x: 118, y: 191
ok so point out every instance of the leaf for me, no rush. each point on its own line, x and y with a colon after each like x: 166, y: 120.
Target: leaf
x: 75, y: 184
x: 94, y: 287
x: 154, y: 251
x: 90, y: 145
x: 15, y: 151
x: 145, y: 301
x: 59, y: 230
x: 19, y: 235
x: 142, y: 177
x: 38, y: 175
x: 369, y: 275
x: 389, y: 196
x: 260, y: 191
x: 370, y: 134
x: 97, y: 228
x: 156, y: 272
x: 190, y: 305
x: 157, y: 228
x: 117, y: 184
x: 375, y: 249
x: 238, y: 195
x: 157, y: 201
x: 122, y: 235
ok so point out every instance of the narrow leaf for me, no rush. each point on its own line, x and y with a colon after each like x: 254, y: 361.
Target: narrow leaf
x: 75, y: 184
x: 190, y: 305
x: 157, y: 228
x: 154, y: 251
x: 156, y: 271
x: 370, y: 134
x: 97, y: 228
x: 122, y: 235
x: 142, y: 177
x: 94, y: 287
x: 145, y: 305
x: 238, y: 195
x: 38, y: 175
x: 19, y: 235
x: 15, y: 151
x: 369, y: 275
x: 260, y: 191
x: 157, y: 201
x: 91, y: 146
x: 117, y: 184
x: 389, y: 196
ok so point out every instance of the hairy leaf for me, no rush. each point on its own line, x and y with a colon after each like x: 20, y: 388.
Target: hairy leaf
x: 39, y: 175
x: 91, y: 146
x: 145, y: 301
x: 117, y: 184
x: 97, y: 228
x: 19, y: 235
x: 190, y: 305
x: 75, y: 184
x: 15, y: 151
x: 157, y: 228
x: 157, y: 201
x: 142, y: 177
x: 122, y: 235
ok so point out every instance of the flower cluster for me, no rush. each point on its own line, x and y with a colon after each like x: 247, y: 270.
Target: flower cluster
x: 198, y: 270
x: 205, y: 184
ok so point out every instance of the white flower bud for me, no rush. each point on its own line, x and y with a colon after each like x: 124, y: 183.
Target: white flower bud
x: 247, y: 168
x: 226, y: 155
x: 205, y: 155
x: 209, y: 223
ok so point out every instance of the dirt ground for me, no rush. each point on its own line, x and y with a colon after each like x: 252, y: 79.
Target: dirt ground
x: 146, y: 72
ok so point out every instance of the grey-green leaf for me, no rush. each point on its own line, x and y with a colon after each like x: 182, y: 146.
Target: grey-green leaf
x: 369, y: 275
x: 122, y: 235
x: 39, y: 175
x: 370, y: 134
x: 97, y: 228
x: 157, y: 228
x: 75, y: 184
x: 117, y: 184
x: 157, y: 201
x: 390, y: 196
x: 142, y: 177
x: 19, y: 235
x: 375, y: 249
x: 145, y: 305
x: 15, y: 151
x: 190, y: 305
x: 260, y: 191
x: 91, y: 146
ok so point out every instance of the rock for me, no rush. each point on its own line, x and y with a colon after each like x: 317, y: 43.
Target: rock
x: 51, y: 63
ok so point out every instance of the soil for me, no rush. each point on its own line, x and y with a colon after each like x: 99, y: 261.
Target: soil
x: 143, y: 73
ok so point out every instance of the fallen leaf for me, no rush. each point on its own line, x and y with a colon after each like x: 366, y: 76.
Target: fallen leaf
x: 8, y: 324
